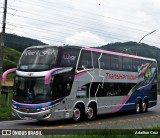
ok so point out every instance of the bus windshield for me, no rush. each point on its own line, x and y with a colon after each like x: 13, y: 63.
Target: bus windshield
x: 38, y: 59
x: 31, y: 90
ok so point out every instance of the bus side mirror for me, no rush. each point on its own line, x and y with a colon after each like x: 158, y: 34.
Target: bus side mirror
x: 4, y: 76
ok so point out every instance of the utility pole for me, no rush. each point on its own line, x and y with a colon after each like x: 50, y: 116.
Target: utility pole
x: 2, y: 39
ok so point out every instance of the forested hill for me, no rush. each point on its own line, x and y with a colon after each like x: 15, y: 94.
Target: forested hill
x: 20, y: 43
x: 14, y: 46
x: 133, y: 48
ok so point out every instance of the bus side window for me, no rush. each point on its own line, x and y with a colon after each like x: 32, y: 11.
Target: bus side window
x: 146, y: 61
x: 153, y: 64
x: 104, y: 62
x: 116, y: 62
x: 95, y: 59
x: 135, y: 64
x: 127, y: 64
x: 85, y: 61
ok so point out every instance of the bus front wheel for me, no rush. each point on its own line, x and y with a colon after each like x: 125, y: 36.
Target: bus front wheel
x: 78, y: 113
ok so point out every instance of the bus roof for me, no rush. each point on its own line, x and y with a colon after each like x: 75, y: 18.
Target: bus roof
x: 66, y: 46
x: 95, y: 50
x: 116, y: 53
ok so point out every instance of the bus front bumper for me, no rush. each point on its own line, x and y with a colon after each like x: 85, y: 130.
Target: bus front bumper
x: 41, y: 115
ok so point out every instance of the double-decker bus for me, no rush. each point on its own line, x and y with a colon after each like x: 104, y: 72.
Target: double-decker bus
x: 53, y: 83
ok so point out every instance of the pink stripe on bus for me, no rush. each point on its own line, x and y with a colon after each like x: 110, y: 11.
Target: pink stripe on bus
x: 48, y: 76
x: 81, y: 74
x: 113, y: 53
x: 4, y: 76
x: 121, y: 105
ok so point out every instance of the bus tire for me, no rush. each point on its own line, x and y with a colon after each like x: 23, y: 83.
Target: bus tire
x: 78, y: 113
x: 138, y: 107
x: 144, y: 106
x: 91, y: 112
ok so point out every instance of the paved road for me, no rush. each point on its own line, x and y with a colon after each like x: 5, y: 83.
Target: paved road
x: 111, y: 121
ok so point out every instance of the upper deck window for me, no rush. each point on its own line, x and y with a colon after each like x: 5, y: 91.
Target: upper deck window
x: 116, y: 62
x: 38, y: 59
x: 69, y: 57
x: 135, y: 64
x: 104, y: 62
x: 127, y: 64
x: 85, y: 61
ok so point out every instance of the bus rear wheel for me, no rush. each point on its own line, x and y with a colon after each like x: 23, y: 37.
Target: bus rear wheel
x: 78, y: 113
x: 138, y: 107
x: 91, y: 112
x: 144, y: 106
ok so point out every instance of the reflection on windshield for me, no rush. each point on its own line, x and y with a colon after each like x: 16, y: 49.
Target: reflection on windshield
x: 38, y: 58
x: 31, y: 89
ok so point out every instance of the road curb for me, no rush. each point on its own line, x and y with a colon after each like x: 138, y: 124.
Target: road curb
x: 7, y: 119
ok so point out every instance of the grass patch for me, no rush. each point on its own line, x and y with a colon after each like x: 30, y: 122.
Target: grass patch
x: 5, y: 111
x: 113, y: 133
x: 157, y: 127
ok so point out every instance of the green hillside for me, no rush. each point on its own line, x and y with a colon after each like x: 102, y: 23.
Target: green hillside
x: 20, y: 43
x: 134, y: 48
x: 11, y: 57
x: 14, y: 46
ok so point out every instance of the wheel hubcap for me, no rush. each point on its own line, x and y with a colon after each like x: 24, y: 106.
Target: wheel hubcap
x: 90, y: 112
x: 137, y: 108
x: 76, y: 113
x: 144, y: 107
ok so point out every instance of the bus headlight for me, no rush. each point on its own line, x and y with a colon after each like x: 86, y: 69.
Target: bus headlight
x: 14, y: 106
x: 46, y: 108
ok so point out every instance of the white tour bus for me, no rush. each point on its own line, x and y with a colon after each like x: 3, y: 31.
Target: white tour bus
x: 53, y: 83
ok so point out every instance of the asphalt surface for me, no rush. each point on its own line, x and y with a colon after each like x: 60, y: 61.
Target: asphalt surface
x: 127, y: 120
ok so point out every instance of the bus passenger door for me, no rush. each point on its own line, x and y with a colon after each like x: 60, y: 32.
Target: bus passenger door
x: 61, y: 88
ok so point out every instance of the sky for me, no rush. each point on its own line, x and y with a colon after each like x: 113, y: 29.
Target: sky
x: 84, y: 22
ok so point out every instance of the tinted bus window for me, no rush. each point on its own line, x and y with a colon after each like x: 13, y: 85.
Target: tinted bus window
x: 135, y: 64
x: 146, y: 61
x: 69, y: 57
x: 116, y: 62
x: 127, y: 64
x: 95, y: 59
x: 85, y: 61
x: 105, y: 61
x: 153, y: 64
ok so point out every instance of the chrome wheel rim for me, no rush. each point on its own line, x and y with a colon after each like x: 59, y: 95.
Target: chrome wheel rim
x: 137, y: 108
x: 76, y: 114
x: 144, y: 106
x: 89, y: 112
